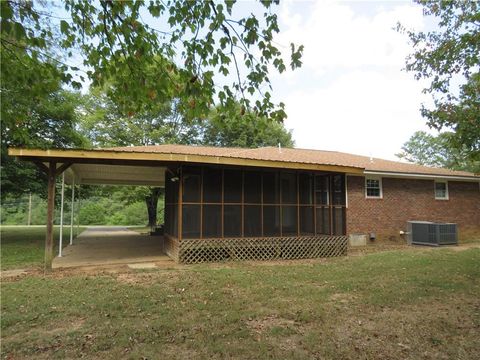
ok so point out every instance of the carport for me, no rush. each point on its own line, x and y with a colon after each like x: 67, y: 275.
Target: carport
x: 97, y: 167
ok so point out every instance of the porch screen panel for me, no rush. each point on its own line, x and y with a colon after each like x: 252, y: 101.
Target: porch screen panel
x: 233, y: 203
x: 289, y: 220
x: 305, y: 189
x: 323, y: 220
x: 306, y: 220
x: 191, y: 184
x: 232, y: 183
x: 289, y: 188
x: 191, y: 221
x: 212, y: 221
x: 252, y: 226
x: 212, y: 185
x: 338, y: 220
x: 271, y: 187
x: 338, y: 190
x: 271, y: 220
x: 232, y: 217
x: 252, y: 187
x: 171, y: 203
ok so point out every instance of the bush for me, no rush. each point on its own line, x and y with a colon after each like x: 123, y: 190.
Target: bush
x: 92, y: 213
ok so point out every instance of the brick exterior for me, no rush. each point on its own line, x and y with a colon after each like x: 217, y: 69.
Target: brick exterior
x: 411, y: 199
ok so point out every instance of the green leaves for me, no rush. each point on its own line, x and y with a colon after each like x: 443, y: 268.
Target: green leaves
x: 64, y: 27
x: 135, y: 58
x: 453, y: 51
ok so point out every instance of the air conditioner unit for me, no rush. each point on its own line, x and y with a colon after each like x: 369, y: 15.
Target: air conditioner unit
x: 430, y: 233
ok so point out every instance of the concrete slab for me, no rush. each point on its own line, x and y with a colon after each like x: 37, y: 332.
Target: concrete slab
x: 111, y: 245
x: 140, y: 266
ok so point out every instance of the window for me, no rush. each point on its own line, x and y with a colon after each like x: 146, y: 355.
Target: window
x: 441, y: 190
x: 373, y: 188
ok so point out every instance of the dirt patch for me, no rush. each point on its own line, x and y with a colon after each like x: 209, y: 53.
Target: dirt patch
x: 264, y: 324
x: 430, y: 330
x: 149, y: 277
x: 52, y: 329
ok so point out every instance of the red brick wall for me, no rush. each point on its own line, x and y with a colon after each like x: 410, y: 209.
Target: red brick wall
x: 408, y: 199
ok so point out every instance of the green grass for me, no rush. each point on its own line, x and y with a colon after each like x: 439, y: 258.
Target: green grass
x: 24, y: 246
x: 398, y: 304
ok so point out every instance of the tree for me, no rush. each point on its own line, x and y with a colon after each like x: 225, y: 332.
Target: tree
x: 35, y: 112
x: 425, y: 149
x: 240, y: 129
x: 450, y: 53
x: 181, y: 52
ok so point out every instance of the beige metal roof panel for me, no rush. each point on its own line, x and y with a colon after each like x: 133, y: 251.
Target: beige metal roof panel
x: 116, y: 175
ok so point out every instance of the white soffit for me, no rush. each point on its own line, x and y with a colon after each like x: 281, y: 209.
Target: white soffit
x: 99, y: 174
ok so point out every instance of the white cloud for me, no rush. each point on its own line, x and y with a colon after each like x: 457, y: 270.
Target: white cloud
x: 351, y: 94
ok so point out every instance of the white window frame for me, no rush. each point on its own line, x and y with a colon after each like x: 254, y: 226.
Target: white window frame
x: 379, y: 184
x: 435, y: 189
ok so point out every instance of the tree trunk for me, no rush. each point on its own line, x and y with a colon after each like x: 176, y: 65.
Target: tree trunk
x: 152, y: 202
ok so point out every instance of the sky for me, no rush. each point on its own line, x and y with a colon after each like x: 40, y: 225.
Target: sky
x: 351, y: 94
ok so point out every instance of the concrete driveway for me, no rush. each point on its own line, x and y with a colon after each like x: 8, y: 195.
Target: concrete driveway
x: 110, y: 245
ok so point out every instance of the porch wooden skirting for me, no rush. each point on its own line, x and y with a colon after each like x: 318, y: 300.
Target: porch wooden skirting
x: 190, y: 251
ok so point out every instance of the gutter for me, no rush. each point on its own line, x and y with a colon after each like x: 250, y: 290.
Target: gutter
x: 422, y: 176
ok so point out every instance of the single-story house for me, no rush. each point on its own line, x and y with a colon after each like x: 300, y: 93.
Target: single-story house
x: 269, y: 202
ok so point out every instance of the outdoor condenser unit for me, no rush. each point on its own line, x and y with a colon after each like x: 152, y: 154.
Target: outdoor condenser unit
x: 430, y: 233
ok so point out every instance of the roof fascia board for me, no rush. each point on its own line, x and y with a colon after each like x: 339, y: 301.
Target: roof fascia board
x: 60, y: 155
x: 422, y: 176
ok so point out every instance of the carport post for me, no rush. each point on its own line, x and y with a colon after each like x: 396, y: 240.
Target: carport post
x: 60, y: 239
x: 51, y: 206
x: 78, y: 210
x: 71, y: 212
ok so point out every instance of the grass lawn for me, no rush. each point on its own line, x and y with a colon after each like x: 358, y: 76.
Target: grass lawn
x: 414, y: 304
x: 24, y: 246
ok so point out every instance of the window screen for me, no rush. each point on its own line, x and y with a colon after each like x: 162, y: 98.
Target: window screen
x: 305, y: 188
x: 191, y: 184
x: 232, y: 184
x: 232, y: 220
x: 212, y: 185
x: 212, y: 221
x: 289, y: 220
x: 252, y: 187
x: 271, y: 220
x: 191, y: 221
x: 252, y: 222
x: 306, y: 220
x: 373, y: 187
x: 271, y: 188
x: 289, y: 188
